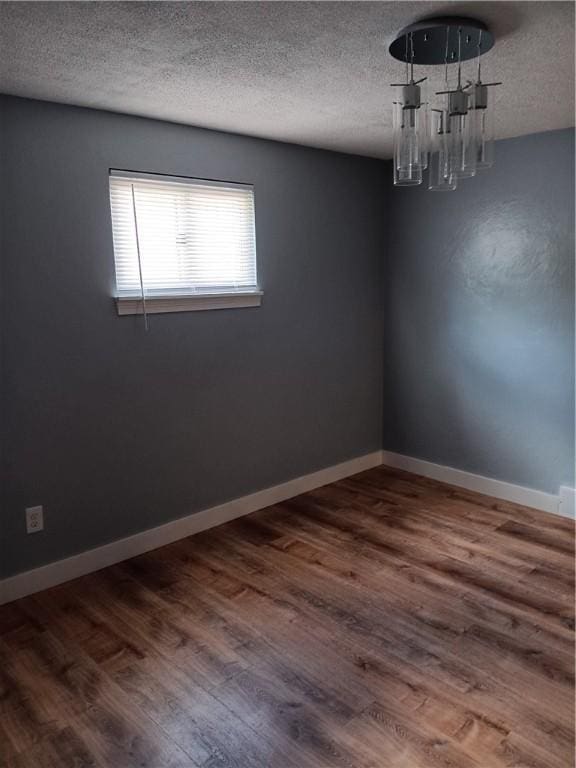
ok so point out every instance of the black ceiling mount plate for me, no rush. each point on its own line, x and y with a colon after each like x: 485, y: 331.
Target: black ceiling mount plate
x: 429, y: 40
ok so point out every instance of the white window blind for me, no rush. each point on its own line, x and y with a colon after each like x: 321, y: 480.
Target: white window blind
x: 194, y: 237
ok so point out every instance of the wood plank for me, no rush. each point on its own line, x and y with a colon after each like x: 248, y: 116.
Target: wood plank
x: 386, y: 619
x: 407, y: 636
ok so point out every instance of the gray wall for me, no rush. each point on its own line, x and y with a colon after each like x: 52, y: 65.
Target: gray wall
x: 114, y: 430
x: 479, y: 302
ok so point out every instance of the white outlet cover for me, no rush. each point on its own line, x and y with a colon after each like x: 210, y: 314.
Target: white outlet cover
x: 34, y: 519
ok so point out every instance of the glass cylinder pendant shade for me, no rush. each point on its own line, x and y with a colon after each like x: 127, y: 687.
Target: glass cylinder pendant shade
x: 440, y: 176
x: 482, y: 115
x: 462, y: 136
x: 410, y: 136
x: 424, y: 126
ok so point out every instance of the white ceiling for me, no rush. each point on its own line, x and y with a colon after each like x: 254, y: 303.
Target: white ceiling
x: 314, y: 73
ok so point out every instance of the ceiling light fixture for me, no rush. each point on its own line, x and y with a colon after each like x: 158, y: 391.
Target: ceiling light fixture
x: 457, y: 139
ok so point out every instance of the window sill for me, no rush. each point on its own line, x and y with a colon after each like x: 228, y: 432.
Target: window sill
x: 132, y: 305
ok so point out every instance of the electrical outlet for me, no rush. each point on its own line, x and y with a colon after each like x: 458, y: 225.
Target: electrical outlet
x: 34, y: 519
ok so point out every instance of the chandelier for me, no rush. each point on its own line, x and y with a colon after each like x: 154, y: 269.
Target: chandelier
x: 453, y: 139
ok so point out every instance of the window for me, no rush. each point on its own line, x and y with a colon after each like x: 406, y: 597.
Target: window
x: 182, y: 243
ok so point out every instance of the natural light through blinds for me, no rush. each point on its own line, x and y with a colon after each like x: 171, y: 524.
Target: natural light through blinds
x: 195, y: 237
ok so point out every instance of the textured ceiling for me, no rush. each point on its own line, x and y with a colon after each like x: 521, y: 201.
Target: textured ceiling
x: 314, y: 73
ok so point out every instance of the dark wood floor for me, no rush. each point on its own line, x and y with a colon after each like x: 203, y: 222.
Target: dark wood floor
x: 385, y: 621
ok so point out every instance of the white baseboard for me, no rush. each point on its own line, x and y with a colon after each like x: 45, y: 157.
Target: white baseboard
x: 547, y: 502
x: 567, y: 506
x: 50, y: 575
